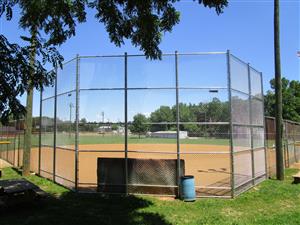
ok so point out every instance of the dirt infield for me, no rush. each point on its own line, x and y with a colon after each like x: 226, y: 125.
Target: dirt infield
x: 209, y: 169
x: 209, y: 164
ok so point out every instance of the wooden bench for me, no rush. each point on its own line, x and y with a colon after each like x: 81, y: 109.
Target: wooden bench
x: 5, y: 142
x: 296, y: 178
x: 16, y: 191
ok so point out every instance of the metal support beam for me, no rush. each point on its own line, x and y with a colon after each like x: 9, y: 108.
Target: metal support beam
x: 264, y: 121
x: 40, y: 132
x: 177, y: 124
x: 126, y: 123
x: 251, y: 127
x: 19, y: 140
x: 15, y: 138
x: 231, y: 125
x: 55, y: 125
x: 77, y: 120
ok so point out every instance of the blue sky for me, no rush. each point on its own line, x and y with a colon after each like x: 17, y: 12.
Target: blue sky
x: 245, y: 27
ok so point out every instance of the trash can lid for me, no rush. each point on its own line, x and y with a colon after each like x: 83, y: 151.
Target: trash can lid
x: 187, y: 177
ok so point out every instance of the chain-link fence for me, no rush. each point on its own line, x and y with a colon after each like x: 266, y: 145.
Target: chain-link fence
x: 126, y: 124
x: 12, y: 144
x: 291, y: 144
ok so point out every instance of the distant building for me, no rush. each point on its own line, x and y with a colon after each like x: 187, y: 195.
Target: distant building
x: 169, y: 134
x: 104, y: 129
x: 121, y: 130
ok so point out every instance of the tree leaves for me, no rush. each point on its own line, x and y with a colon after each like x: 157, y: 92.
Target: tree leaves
x: 6, y: 7
x: 290, y: 100
x: 219, y: 5
x: 15, y: 75
x: 142, y: 22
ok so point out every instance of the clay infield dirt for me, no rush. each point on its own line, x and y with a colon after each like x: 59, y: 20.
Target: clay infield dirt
x: 209, y: 164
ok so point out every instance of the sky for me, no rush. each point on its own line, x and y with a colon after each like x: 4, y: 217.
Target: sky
x: 245, y: 28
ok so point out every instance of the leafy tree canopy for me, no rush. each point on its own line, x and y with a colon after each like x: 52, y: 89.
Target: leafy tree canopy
x: 14, y: 79
x: 143, y: 22
x: 52, y: 22
x: 290, y: 100
x: 139, y: 124
x: 55, y: 19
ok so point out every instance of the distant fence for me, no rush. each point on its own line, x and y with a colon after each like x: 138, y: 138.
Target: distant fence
x: 291, y: 143
x: 13, y: 134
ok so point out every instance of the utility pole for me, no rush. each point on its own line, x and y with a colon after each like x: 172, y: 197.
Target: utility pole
x: 278, y: 95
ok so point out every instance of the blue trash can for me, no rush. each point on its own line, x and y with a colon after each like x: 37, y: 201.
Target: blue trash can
x: 188, y: 193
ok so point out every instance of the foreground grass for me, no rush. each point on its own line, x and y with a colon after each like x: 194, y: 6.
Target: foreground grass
x: 271, y: 202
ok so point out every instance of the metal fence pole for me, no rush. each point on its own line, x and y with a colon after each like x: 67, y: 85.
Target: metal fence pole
x: 77, y: 121
x: 40, y: 132
x: 286, y: 142
x: 55, y: 125
x: 177, y: 124
x: 251, y: 123
x: 126, y: 123
x: 264, y: 123
x: 231, y: 125
x: 15, y: 137
x: 294, y: 142
x: 7, y: 139
x: 19, y: 140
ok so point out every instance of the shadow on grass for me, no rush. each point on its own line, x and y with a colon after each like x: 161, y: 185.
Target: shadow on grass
x: 84, y: 209
x: 18, y: 171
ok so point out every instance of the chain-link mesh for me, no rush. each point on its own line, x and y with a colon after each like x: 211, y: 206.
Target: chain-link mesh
x: 127, y: 124
x: 290, y: 143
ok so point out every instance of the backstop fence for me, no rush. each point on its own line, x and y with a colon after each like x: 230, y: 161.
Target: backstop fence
x: 126, y: 124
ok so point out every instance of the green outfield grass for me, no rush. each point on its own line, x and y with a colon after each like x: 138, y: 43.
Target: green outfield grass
x: 270, y: 203
x: 66, y: 139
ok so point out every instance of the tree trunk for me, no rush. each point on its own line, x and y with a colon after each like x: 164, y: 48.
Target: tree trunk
x: 28, y: 117
x: 278, y: 95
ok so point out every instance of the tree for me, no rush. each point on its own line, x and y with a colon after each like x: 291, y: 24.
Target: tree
x: 143, y: 22
x: 162, y: 115
x: 290, y: 100
x: 139, y: 124
x: 57, y: 20
x: 114, y: 126
x: 278, y: 95
x: 14, y: 79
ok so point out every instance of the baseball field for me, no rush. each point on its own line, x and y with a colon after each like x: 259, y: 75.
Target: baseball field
x: 207, y: 159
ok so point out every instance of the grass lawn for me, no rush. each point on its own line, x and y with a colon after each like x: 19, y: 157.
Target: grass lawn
x: 271, y: 202
x: 64, y: 138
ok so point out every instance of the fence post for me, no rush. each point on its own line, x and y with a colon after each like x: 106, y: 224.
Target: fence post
x: 19, y: 139
x: 286, y: 142
x: 7, y: 139
x: 231, y: 125
x: 15, y: 137
x: 40, y: 132
x: 251, y: 123
x: 294, y: 142
x: 177, y: 124
x: 55, y: 125
x: 126, y: 122
x: 264, y: 121
x: 77, y: 121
